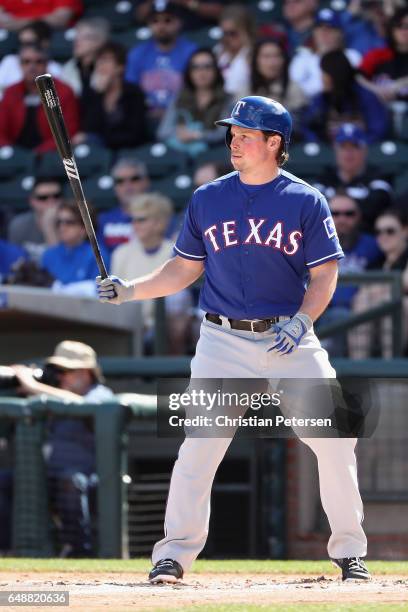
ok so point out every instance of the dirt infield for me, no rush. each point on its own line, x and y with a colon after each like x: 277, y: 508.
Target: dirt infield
x: 130, y: 591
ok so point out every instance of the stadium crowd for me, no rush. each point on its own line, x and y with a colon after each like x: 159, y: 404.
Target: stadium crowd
x: 141, y: 84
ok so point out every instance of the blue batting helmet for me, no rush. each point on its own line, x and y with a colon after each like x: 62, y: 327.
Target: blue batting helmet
x: 259, y: 113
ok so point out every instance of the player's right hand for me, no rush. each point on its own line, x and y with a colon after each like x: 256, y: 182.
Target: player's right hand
x: 113, y: 290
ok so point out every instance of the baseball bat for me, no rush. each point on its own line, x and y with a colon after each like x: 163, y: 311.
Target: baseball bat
x: 53, y: 111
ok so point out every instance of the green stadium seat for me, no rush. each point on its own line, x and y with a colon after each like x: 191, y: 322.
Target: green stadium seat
x: 266, y: 11
x: 119, y: 13
x: 15, y: 161
x: 391, y: 156
x: 88, y: 3
x: 91, y: 160
x: 8, y: 42
x: 161, y: 161
x: 99, y: 191
x: 309, y: 159
x: 61, y: 44
x: 14, y: 194
x: 178, y: 188
x: 207, y: 37
x: 401, y: 184
x: 131, y: 37
x: 219, y: 154
x: 404, y: 128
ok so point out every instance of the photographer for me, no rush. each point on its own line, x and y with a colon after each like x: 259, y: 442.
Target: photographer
x: 70, y: 448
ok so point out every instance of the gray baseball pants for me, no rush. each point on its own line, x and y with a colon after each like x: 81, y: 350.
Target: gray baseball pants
x: 225, y: 353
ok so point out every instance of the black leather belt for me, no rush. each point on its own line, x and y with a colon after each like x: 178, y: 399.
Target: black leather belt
x: 257, y: 325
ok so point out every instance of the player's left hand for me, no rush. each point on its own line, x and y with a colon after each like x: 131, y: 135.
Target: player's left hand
x: 290, y: 333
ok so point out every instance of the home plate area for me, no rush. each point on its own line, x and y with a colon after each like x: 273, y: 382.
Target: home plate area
x: 131, y: 591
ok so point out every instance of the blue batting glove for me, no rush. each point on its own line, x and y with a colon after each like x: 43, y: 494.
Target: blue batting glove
x: 290, y: 333
x: 113, y: 290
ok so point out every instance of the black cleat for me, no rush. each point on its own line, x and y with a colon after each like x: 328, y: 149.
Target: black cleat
x: 352, y: 568
x: 166, y: 570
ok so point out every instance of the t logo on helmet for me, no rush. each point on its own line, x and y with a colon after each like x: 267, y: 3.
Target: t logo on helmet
x: 237, y: 107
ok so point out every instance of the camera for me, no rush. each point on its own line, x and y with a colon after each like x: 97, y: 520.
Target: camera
x: 47, y: 375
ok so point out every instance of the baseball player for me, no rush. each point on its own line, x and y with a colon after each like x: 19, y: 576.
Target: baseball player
x: 256, y: 234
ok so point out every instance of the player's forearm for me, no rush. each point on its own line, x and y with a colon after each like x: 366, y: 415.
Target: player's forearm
x: 318, y: 294
x: 173, y: 276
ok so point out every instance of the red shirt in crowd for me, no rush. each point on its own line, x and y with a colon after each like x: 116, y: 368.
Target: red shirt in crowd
x: 13, y: 114
x: 36, y: 9
x: 374, y: 58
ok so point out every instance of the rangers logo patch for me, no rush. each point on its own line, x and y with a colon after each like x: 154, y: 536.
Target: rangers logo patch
x: 329, y: 227
x: 240, y: 104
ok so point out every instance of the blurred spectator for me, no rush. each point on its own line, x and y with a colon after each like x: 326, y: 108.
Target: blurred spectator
x: 130, y: 178
x: 391, y: 233
x: 157, y: 64
x: 15, y: 14
x: 360, y: 251
x: 91, y: 33
x: 70, y: 444
x: 209, y: 171
x: 365, y: 183
x: 233, y: 52
x: 113, y: 111
x: 38, y: 33
x: 196, y: 14
x: 327, y: 35
x: 35, y: 230
x: 10, y: 254
x: 188, y: 124
x: 299, y: 21
x: 365, y: 23
x: 343, y: 100
x: 270, y: 77
x: 71, y: 261
x: 22, y: 118
x: 144, y: 253
x: 386, y: 68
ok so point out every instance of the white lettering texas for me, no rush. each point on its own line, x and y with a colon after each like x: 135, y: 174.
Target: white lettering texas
x: 223, y: 235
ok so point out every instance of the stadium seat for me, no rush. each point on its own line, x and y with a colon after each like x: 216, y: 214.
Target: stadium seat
x: 99, y: 191
x: 178, y: 188
x: 14, y: 194
x: 61, y: 45
x: 91, y: 160
x: 161, y: 161
x: 266, y: 11
x: 404, y: 128
x: 309, y: 159
x: 391, y: 156
x: 130, y: 38
x: 89, y: 3
x: 8, y: 42
x: 207, y: 37
x: 119, y: 13
x: 219, y: 154
x: 401, y: 184
x: 15, y: 161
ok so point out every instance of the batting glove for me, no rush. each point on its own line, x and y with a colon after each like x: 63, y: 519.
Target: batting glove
x: 290, y: 333
x: 114, y: 290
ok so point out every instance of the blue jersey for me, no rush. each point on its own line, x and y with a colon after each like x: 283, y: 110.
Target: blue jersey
x: 114, y: 228
x: 257, y: 243
x: 356, y: 259
x: 158, y: 73
x: 9, y: 254
x: 72, y: 264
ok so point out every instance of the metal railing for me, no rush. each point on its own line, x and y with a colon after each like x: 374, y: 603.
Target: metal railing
x: 393, y: 307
